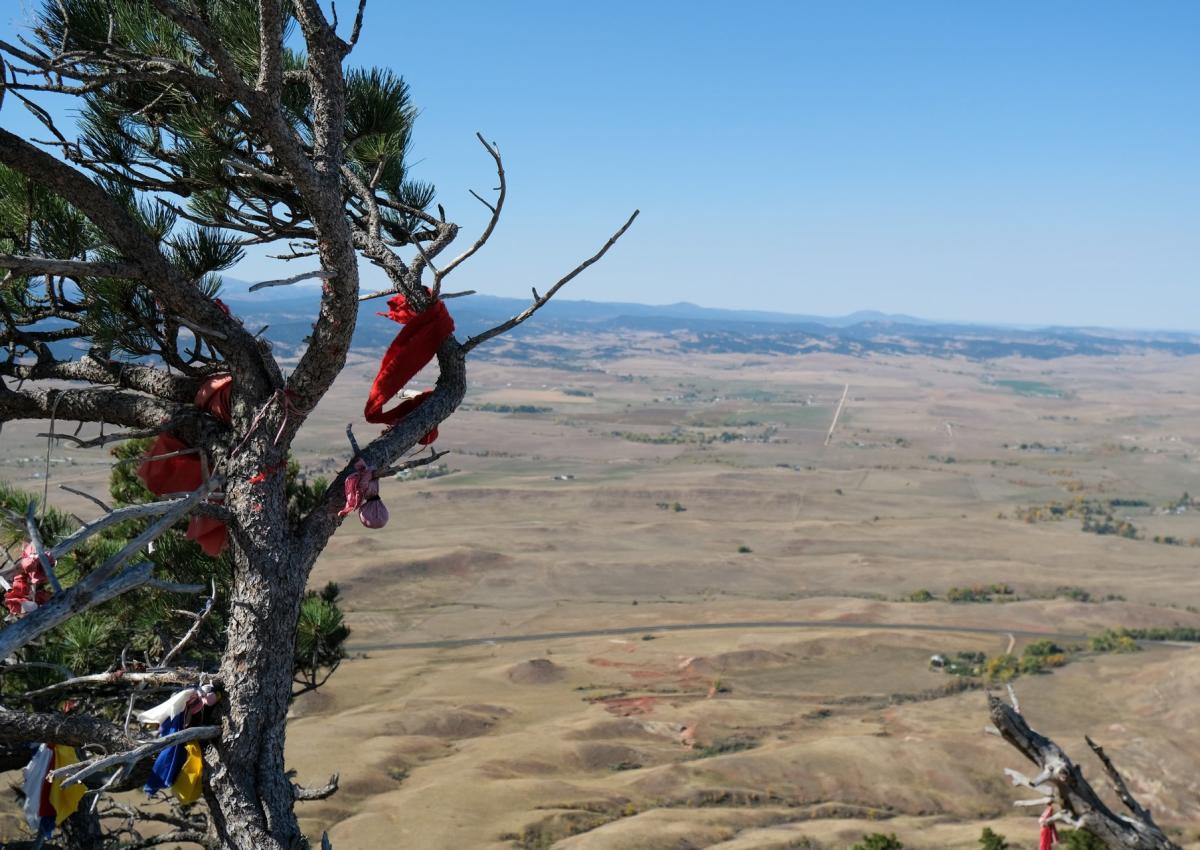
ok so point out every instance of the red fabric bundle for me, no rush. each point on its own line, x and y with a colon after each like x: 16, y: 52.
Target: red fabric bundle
x: 213, y: 397
x: 211, y: 534
x: 28, y: 590
x: 1048, y: 835
x: 183, y: 473
x: 362, y: 495
x: 409, y: 353
x: 163, y: 475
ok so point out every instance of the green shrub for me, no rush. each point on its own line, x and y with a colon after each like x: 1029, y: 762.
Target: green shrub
x: 989, y: 840
x: 725, y: 746
x: 1114, y: 640
x: 1002, y: 668
x: 879, y: 841
x: 1078, y: 839
x: 1042, y: 648
x: 1180, y: 633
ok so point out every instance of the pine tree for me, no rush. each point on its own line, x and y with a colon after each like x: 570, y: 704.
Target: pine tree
x: 204, y: 127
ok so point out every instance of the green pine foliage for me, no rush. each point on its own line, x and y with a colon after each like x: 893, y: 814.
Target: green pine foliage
x: 146, y: 623
x: 174, y: 160
x: 320, y: 636
x: 879, y: 841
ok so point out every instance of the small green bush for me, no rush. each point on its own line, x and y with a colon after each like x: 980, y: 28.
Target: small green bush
x: 879, y: 841
x: 1077, y: 839
x: 1042, y: 648
x: 1114, y: 640
x: 990, y: 840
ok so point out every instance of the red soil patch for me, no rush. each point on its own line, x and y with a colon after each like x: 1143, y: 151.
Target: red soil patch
x: 630, y: 706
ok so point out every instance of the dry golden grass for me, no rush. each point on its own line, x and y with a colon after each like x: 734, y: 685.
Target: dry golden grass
x: 503, y: 744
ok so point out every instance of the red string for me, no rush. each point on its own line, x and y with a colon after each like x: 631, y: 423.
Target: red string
x: 409, y: 353
x: 260, y: 477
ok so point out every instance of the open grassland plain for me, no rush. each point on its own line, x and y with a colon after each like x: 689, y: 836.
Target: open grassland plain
x: 649, y: 602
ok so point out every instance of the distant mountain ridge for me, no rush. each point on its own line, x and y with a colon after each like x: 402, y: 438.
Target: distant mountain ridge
x: 288, y: 315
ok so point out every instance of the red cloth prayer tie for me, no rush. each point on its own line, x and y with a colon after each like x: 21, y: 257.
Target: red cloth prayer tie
x: 28, y: 590
x: 1048, y: 835
x: 178, y: 474
x: 409, y: 353
x: 362, y: 495
x: 213, y: 397
x: 184, y: 472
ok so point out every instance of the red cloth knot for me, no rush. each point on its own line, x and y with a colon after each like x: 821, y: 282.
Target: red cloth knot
x: 213, y: 397
x: 184, y: 473
x: 409, y: 353
x: 28, y: 591
x: 362, y: 495
x: 1047, y: 835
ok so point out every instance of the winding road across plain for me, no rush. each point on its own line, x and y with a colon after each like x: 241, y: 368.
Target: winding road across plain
x: 616, y: 631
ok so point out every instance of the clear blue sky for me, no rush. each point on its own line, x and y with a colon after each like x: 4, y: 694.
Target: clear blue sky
x: 1024, y: 162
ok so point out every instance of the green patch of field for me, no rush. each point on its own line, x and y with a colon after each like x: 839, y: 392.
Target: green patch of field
x: 1037, y: 389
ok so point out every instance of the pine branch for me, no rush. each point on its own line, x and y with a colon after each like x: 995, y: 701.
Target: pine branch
x: 100, y: 585
x: 74, y: 269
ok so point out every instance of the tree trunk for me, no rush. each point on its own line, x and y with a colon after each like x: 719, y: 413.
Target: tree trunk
x: 250, y: 797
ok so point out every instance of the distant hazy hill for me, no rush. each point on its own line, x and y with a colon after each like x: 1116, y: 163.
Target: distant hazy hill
x: 288, y: 313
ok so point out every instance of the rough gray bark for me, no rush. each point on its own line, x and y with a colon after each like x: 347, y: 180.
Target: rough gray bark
x: 1061, y: 781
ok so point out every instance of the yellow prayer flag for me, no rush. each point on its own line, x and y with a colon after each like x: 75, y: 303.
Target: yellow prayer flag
x: 65, y: 800
x: 188, y: 784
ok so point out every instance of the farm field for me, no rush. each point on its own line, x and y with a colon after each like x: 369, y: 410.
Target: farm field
x: 641, y: 604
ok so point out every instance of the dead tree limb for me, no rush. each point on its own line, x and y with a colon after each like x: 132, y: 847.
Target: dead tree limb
x: 304, y: 793
x: 1071, y: 793
x: 74, y: 773
x: 540, y: 301
x: 100, y: 585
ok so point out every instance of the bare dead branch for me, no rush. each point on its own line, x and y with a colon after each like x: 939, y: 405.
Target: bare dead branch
x: 95, y: 587
x: 38, y: 266
x: 410, y: 464
x: 540, y: 300
x: 296, y: 278
x: 385, y: 293
x: 496, y: 209
x: 1118, y: 783
x: 73, y: 774
x: 1074, y: 797
x: 191, y: 633
x: 103, y: 440
x: 95, y: 501
x: 118, y: 678
x: 111, y: 518
x: 324, y: 792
